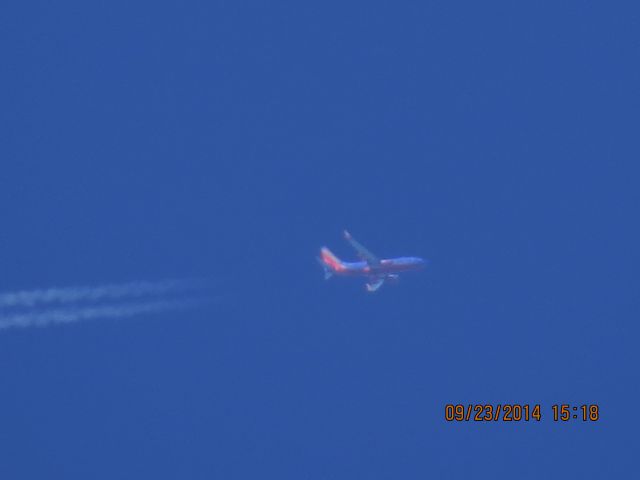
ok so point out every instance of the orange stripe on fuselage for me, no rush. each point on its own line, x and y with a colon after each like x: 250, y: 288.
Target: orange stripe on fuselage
x: 331, y: 260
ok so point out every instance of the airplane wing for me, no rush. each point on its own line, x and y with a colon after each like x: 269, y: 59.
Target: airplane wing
x: 363, y: 253
x: 375, y: 283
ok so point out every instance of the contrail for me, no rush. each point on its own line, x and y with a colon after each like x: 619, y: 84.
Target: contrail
x: 31, y: 298
x: 78, y: 314
x: 50, y: 306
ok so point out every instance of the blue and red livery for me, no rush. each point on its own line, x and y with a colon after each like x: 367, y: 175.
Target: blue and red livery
x: 374, y: 269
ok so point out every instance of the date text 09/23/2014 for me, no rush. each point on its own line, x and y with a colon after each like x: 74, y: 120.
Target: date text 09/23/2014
x: 516, y: 412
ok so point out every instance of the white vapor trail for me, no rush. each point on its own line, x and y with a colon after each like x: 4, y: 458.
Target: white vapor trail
x: 66, y: 295
x: 77, y: 314
x: 50, y: 306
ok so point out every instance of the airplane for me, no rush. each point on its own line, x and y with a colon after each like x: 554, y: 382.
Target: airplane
x: 374, y: 269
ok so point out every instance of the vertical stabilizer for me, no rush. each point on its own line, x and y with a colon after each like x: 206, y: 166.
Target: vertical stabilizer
x: 331, y: 263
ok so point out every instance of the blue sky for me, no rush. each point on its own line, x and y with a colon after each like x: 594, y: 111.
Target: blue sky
x: 230, y: 140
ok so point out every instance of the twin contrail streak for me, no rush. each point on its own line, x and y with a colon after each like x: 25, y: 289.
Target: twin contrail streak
x: 43, y: 307
x: 30, y: 298
x: 70, y: 315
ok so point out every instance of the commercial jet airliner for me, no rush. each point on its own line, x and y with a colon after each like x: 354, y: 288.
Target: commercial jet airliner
x: 374, y: 269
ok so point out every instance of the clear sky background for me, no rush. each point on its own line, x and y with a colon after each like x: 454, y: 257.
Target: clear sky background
x: 230, y: 140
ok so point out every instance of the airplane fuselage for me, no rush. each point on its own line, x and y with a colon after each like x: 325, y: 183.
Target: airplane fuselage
x: 376, y: 270
x: 388, y: 266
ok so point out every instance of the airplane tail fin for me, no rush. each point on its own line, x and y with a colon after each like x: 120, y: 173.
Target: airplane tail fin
x: 329, y: 262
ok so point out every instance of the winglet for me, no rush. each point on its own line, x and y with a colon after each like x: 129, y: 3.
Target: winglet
x: 374, y: 284
x: 347, y: 235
